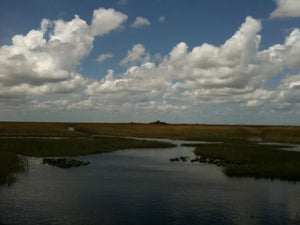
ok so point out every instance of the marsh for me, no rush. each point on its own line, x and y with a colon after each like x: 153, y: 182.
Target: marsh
x: 141, y: 186
x: 133, y: 181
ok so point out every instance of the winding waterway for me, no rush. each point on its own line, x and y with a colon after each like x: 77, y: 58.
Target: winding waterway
x: 141, y: 186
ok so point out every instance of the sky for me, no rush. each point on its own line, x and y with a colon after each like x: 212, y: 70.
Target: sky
x: 196, y: 61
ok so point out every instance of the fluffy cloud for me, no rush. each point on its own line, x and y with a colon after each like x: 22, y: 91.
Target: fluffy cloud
x: 288, y: 92
x: 102, y: 57
x: 34, y: 66
x: 233, y: 72
x: 287, y: 54
x: 140, y: 22
x: 135, y: 55
x: 286, y: 8
x: 106, y: 20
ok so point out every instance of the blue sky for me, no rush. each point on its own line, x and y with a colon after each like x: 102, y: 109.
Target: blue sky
x: 205, y: 61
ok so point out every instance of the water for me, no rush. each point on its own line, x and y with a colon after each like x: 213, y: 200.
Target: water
x: 141, y: 186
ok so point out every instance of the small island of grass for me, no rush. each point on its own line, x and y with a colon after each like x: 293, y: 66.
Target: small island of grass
x: 248, y: 159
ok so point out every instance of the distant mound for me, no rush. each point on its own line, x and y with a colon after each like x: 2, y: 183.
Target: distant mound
x: 158, y: 122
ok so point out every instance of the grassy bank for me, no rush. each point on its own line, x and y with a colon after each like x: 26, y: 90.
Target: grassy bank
x: 73, y: 146
x: 10, y: 162
x: 247, y: 159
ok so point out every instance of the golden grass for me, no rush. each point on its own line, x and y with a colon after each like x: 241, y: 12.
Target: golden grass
x: 196, y: 132
x: 35, y: 129
x: 289, y: 134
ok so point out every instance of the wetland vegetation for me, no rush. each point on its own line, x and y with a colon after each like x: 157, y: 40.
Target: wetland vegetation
x: 64, y: 162
x: 248, y: 159
x: 242, y: 157
x: 10, y: 163
x: 74, y: 146
x: 287, y: 134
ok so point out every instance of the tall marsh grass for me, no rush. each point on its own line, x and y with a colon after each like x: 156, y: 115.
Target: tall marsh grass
x: 247, y: 159
x: 10, y: 163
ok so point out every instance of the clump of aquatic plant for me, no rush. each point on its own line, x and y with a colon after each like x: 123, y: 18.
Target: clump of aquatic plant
x: 247, y: 159
x: 10, y: 163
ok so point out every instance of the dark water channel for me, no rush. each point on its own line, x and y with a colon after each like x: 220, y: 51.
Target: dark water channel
x: 141, y: 186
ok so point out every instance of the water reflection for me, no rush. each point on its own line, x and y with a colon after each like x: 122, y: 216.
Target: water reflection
x: 141, y: 186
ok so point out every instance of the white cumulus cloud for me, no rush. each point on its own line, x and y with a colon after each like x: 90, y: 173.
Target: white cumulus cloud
x: 135, y: 55
x: 288, y: 92
x: 32, y: 65
x: 140, y: 22
x: 236, y: 71
x: 105, y: 56
x: 106, y: 20
x: 36, y: 66
x: 286, y: 8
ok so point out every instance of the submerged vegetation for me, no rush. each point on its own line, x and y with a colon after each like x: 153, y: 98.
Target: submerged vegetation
x: 64, y: 162
x: 248, y: 159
